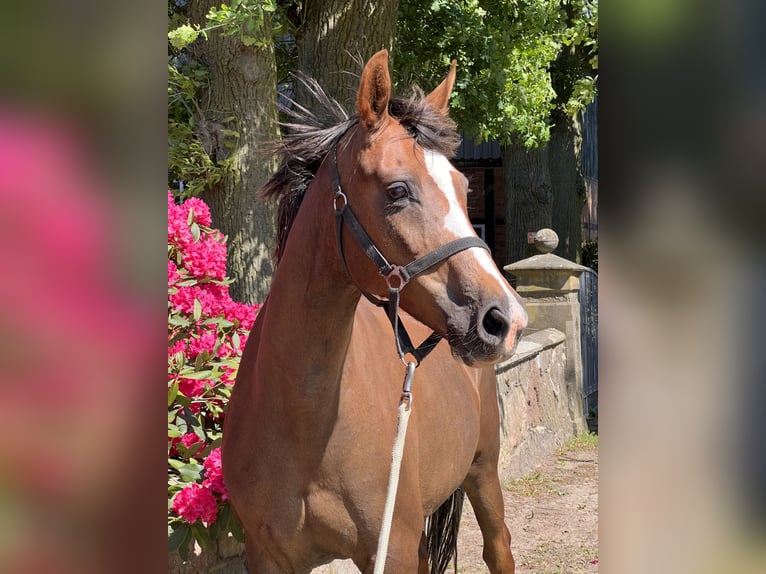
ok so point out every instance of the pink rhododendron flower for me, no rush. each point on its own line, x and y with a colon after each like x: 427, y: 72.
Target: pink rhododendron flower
x: 201, y: 211
x: 193, y: 388
x: 210, y: 296
x: 177, y: 347
x: 206, y: 341
x: 206, y: 257
x: 214, y: 474
x: 195, y: 502
x: 173, y: 276
x: 188, y: 440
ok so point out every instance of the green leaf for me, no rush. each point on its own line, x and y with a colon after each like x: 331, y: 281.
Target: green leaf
x: 200, y: 432
x: 214, y: 530
x: 202, y: 535
x: 183, y: 550
x: 182, y: 36
x: 177, y: 321
x: 197, y: 310
x: 190, y: 472
x: 172, y: 392
x: 223, y: 522
x: 195, y: 232
x: 236, y: 529
x: 179, y: 535
x: 199, y: 375
x: 182, y: 400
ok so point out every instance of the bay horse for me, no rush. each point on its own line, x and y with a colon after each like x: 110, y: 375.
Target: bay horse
x: 312, y: 418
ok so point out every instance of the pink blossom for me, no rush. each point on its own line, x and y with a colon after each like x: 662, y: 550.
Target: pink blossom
x: 177, y: 347
x: 195, y: 502
x: 173, y: 276
x: 201, y: 211
x: 193, y: 388
x: 179, y: 232
x: 212, y: 298
x: 206, y: 257
x: 205, y: 341
x: 188, y: 440
x: 214, y: 474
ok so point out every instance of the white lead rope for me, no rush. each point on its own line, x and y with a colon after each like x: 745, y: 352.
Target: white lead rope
x: 405, y: 409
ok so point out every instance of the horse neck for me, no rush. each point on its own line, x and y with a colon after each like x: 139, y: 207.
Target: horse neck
x: 310, y: 310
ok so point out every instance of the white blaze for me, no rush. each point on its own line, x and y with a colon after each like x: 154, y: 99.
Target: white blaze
x: 457, y: 223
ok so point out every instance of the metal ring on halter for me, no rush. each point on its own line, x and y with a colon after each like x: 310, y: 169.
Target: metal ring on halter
x: 339, y: 194
x: 400, y: 274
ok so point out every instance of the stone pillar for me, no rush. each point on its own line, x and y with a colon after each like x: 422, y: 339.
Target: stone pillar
x: 549, y: 285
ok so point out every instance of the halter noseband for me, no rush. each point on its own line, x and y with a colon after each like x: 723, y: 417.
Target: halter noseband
x: 396, y: 276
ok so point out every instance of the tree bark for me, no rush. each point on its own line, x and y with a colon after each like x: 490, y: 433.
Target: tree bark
x: 568, y: 186
x: 243, y: 85
x: 337, y: 37
x: 529, y: 197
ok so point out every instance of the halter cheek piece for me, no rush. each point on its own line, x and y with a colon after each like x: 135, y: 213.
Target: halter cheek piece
x: 396, y: 276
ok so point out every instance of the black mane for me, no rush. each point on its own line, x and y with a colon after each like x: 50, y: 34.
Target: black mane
x: 311, y: 135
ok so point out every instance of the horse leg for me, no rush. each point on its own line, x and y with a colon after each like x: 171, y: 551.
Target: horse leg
x: 406, y: 549
x: 482, y: 486
x: 257, y: 562
x: 269, y: 559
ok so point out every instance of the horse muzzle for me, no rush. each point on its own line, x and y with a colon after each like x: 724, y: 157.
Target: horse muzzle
x: 488, y: 335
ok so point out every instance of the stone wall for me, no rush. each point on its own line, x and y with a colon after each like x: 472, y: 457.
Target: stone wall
x: 534, y: 403
x: 227, y: 558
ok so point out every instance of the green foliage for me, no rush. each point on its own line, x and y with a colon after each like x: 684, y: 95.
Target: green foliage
x: 188, y: 160
x: 244, y: 18
x: 507, y: 53
x: 184, y: 35
x: 191, y: 157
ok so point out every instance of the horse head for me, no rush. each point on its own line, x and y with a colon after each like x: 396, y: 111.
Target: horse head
x: 394, y: 171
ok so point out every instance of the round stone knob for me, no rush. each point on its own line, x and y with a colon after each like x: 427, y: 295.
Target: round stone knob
x: 546, y: 240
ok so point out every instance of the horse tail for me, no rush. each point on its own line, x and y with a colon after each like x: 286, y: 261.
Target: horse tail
x: 441, y: 533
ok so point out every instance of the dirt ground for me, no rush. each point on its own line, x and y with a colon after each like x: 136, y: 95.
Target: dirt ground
x: 552, y: 515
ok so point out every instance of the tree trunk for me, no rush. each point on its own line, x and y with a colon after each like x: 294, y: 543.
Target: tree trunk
x: 337, y: 37
x: 243, y: 86
x: 568, y: 186
x: 528, y: 197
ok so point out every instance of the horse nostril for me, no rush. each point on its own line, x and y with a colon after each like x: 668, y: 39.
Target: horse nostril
x: 495, y: 323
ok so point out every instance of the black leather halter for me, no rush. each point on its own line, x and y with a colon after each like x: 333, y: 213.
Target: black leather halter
x: 396, y: 276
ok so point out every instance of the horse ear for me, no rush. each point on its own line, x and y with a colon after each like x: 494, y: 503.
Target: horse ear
x: 374, y: 91
x: 439, y: 98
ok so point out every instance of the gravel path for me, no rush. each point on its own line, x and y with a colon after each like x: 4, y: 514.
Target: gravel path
x: 552, y: 515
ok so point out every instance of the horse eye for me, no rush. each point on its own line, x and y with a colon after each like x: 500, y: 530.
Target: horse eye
x: 397, y: 192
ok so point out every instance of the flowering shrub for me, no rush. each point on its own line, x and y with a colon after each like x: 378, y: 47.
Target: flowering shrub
x: 206, y: 334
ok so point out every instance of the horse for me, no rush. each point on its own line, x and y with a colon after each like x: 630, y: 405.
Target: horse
x: 311, y: 421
